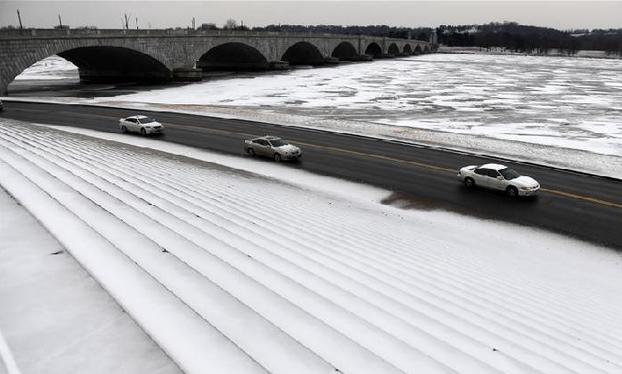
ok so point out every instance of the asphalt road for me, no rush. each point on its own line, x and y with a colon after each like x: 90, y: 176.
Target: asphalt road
x: 582, y: 206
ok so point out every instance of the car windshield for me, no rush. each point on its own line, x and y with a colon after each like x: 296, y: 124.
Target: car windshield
x: 146, y: 120
x: 278, y: 142
x: 509, y: 173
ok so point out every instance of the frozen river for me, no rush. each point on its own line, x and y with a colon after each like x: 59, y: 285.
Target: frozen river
x: 569, y: 103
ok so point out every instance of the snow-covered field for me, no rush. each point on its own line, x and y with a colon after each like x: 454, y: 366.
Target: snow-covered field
x: 233, y: 272
x: 564, y: 112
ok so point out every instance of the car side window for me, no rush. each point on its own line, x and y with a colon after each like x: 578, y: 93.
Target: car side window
x: 481, y: 172
x: 493, y: 173
x: 133, y: 120
x: 262, y: 142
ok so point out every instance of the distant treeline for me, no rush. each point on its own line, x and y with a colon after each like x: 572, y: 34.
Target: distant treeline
x: 420, y: 33
x: 530, y: 39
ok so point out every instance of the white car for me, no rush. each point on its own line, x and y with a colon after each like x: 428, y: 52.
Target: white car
x: 498, y: 177
x: 141, y: 124
x: 273, y: 147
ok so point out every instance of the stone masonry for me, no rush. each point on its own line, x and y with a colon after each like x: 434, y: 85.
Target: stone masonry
x: 169, y: 51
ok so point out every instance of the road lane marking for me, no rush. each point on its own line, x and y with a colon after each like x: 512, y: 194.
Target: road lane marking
x: 380, y: 157
x: 581, y: 197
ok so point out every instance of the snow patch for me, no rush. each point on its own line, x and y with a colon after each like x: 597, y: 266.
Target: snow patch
x: 51, y: 68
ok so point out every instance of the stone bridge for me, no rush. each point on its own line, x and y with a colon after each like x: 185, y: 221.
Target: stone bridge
x: 164, y: 55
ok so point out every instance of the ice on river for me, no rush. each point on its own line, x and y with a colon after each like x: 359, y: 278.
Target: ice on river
x: 53, y: 67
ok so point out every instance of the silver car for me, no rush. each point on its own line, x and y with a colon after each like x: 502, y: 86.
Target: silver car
x: 141, y: 124
x: 273, y: 147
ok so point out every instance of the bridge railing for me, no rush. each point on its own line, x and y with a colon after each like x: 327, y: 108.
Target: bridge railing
x: 93, y: 32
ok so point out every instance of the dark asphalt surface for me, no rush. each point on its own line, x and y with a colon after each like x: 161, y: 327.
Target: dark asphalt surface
x: 582, y: 206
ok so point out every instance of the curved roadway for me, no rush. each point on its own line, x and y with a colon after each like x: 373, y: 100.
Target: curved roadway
x: 583, y: 206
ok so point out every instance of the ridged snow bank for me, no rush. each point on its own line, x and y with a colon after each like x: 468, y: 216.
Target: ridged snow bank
x: 230, y: 272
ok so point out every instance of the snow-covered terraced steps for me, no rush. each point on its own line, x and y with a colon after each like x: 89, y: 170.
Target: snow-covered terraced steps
x: 236, y: 273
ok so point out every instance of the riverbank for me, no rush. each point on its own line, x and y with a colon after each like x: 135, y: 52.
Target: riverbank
x: 503, y: 51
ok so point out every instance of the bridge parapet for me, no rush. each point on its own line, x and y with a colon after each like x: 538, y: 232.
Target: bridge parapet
x: 89, y: 32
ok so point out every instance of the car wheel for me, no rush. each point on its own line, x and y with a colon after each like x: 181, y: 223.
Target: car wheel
x: 512, y: 191
x: 143, y: 131
x: 277, y: 157
x: 123, y: 129
x: 251, y: 152
x: 469, y: 182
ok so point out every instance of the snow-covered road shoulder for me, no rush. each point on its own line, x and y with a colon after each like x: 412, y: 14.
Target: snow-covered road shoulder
x: 233, y: 265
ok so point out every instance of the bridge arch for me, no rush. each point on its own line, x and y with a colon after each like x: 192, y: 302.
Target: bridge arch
x: 345, y: 51
x: 393, y: 49
x: 373, y: 49
x: 115, y: 64
x: 303, y: 53
x: 232, y: 56
x: 417, y: 50
x: 407, y: 49
x: 96, y: 61
x: 426, y: 49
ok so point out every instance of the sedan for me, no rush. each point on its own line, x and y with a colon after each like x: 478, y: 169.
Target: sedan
x: 499, y: 177
x: 140, y: 124
x: 273, y: 147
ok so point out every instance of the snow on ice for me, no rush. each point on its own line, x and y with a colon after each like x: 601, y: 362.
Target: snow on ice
x: 230, y: 267
x: 53, y: 67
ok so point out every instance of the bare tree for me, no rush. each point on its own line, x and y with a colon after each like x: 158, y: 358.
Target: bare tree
x: 231, y: 24
x: 126, y: 21
x: 19, y: 17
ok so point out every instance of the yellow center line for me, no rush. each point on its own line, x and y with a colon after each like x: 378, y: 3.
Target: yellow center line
x: 380, y: 157
x: 439, y: 168
x: 581, y: 197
